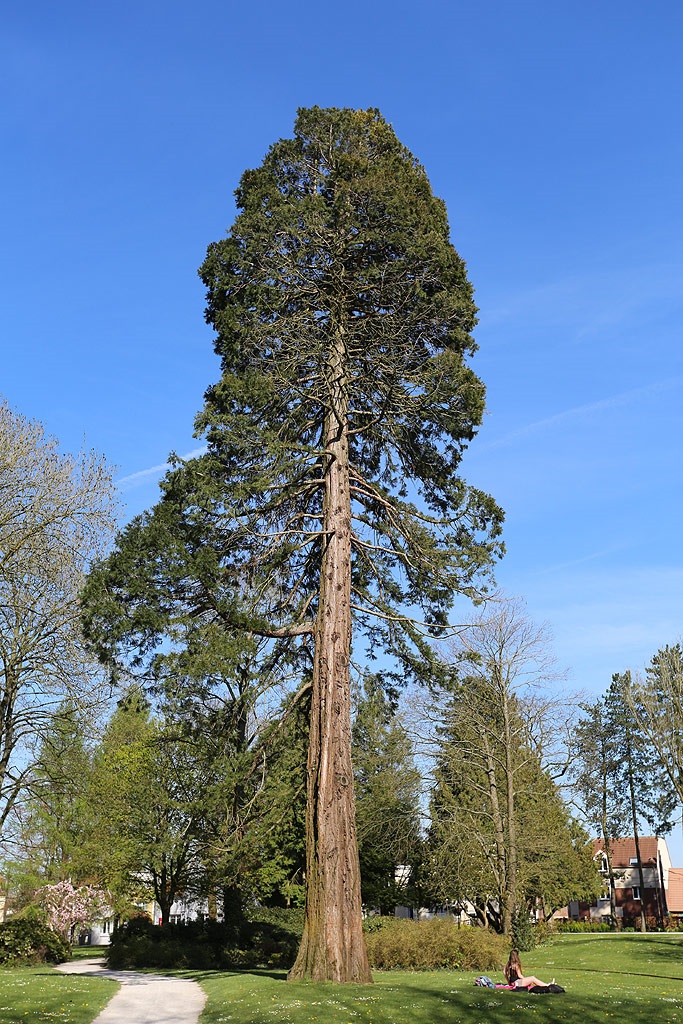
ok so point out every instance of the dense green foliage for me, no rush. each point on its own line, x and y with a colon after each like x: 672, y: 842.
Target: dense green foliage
x: 523, y: 931
x: 267, y: 938
x: 52, y: 832
x: 28, y: 941
x: 657, y: 703
x: 402, y: 944
x: 388, y: 788
x: 583, y: 926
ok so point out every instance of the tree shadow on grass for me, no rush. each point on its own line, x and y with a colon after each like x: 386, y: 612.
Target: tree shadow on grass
x: 274, y: 974
x: 662, y: 948
x: 500, y: 1006
x: 645, y: 955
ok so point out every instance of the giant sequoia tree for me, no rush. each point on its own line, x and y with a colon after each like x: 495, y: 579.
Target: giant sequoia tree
x: 330, y: 490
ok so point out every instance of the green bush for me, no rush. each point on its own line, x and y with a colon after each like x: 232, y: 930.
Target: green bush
x: 374, y: 922
x: 400, y: 944
x: 544, y: 932
x: 583, y: 926
x: 289, y: 919
x: 523, y: 931
x: 268, y: 937
x: 29, y: 941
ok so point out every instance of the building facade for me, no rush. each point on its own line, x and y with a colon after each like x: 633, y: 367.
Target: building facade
x: 657, y: 896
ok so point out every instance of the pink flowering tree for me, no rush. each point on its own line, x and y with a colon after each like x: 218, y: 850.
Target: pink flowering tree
x: 68, y: 907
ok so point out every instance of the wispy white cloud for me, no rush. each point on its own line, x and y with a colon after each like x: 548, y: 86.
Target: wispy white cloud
x: 143, y: 475
x: 591, y: 303
x: 594, y: 556
x: 579, y: 412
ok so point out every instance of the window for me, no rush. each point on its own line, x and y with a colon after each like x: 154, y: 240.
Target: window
x: 636, y: 892
x: 633, y: 861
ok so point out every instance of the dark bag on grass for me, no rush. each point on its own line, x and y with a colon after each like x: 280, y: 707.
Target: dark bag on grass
x: 552, y: 989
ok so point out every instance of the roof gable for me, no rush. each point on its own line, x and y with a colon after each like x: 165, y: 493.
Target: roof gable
x: 623, y: 850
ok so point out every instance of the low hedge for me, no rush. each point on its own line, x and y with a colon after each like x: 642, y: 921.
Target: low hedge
x: 27, y: 941
x: 582, y: 926
x: 267, y: 938
x: 401, y: 944
x: 270, y: 938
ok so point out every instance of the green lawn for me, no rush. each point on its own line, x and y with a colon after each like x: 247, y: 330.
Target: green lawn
x: 629, y: 978
x: 608, y: 978
x: 40, y: 995
x: 87, y: 952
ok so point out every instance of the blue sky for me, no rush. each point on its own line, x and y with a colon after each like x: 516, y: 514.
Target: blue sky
x: 553, y: 133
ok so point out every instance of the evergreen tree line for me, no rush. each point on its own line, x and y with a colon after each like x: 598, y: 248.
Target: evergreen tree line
x: 628, y: 761
x: 475, y: 799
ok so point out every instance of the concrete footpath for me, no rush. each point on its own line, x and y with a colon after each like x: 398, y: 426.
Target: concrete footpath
x: 144, y: 998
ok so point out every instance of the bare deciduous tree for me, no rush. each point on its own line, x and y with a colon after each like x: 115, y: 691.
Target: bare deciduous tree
x: 56, y: 514
x: 500, y: 751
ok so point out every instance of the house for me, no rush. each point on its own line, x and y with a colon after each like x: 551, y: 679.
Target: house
x: 674, y: 894
x: 99, y: 932
x: 660, y: 896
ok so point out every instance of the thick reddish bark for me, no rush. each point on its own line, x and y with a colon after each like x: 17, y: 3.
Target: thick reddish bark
x: 332, y: 947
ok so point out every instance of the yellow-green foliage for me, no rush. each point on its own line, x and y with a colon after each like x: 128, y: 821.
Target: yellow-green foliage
x: 427, y: 945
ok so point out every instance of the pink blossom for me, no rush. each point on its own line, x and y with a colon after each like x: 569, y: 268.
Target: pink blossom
x: 69, y: 907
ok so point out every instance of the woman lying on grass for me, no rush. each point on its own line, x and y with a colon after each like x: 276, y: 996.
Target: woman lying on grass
x: 514, y: 974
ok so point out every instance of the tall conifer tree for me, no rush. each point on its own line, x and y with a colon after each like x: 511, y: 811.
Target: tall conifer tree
x: 330, y: 489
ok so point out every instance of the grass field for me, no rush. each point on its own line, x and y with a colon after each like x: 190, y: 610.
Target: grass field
x: 611, y: 979
x: 40, y: 995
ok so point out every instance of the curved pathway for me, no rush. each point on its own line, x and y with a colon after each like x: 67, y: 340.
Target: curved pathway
x: 144, y: 998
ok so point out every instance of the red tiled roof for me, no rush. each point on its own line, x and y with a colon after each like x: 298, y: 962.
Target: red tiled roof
x: 624, y: 849
x: 674, y: 893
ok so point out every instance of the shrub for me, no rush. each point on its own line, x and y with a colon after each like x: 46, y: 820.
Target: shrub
x: 544, y: 931
x: 583, y: 926
x: 268, y: 937
x: 139, y: 943
x: 30, y: 941
x: 290, y: 919
x: 400, y: 944
x: 374, y: 922
x: 523, y: 932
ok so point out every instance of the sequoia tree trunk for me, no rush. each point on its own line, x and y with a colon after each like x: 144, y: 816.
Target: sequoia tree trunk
x: 332, y: 946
